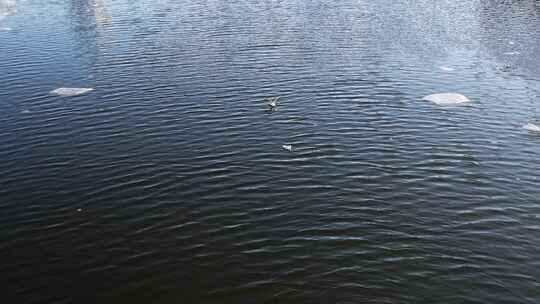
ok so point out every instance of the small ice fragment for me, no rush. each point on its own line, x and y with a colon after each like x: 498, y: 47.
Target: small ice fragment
x: 532, y: 128
x: 447, y: 98
x: 511, y: 42
x: 447, y: 69
x: 67, y: 92
x: 287, y: 147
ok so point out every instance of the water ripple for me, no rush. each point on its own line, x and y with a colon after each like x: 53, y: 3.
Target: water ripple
x: 169, y: 181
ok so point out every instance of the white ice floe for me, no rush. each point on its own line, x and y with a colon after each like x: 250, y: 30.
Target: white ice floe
x: 67, y: 92
x: 532, y: 128
x: 447, y: 69
x: 447, y: 98
x: 287, y: 147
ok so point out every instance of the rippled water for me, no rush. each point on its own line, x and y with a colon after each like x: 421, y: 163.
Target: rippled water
x: 168, y: 182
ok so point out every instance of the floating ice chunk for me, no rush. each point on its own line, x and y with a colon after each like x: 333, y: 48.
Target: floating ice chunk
x: 511, y: 42
x: 447, y: 69
x: 66, y: 92
x: 287, y: 147
x: 447, y: 98
x: 532, y: 128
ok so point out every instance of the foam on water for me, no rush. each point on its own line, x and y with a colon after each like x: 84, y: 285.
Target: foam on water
x: 447, y: 98
x: 67, y: 92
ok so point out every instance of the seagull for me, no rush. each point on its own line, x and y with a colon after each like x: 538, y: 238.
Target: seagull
x: 287, y: 147
x: 505, y: 68
x: 272, y: 102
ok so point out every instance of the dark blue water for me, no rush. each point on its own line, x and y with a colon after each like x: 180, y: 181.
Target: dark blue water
x: 168, y: 183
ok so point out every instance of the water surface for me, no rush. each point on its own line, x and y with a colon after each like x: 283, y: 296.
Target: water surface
x: 168, y: 182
